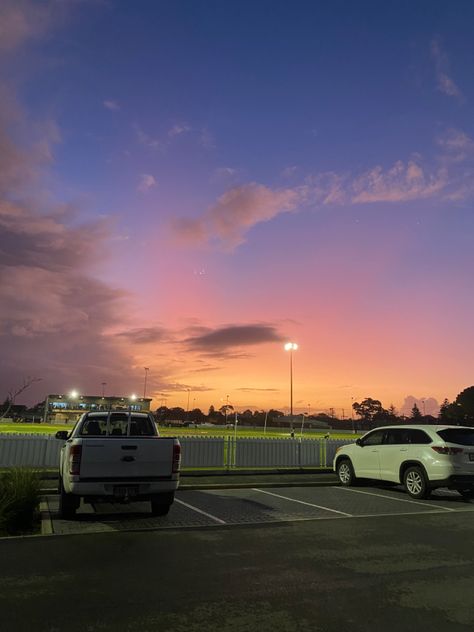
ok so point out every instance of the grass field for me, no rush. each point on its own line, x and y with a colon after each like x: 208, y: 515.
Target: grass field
x: 256, y: 433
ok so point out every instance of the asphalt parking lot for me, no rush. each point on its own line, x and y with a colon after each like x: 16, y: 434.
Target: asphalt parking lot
x: 272, y: 559
x: 253, y: 506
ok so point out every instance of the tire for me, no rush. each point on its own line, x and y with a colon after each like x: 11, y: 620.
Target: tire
x: 158, y: 509
x: 415, y: 482
x: 345, y: 472
x: 467, y: 494
x: 68, y: 503
x: 161, y: 503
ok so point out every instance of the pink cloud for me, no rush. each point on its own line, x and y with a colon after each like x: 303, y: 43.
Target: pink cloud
x: 20, y: 20
x: 111, y: 105
x: 236, y: 212
x: 446, y: 84
x: 400, y: 183
x: 147, y: 182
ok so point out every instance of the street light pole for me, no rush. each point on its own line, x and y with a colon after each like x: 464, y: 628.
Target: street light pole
x: 291, y: 346
x: 104, y: 384
x: 144, y: 385
x: 226, y: 408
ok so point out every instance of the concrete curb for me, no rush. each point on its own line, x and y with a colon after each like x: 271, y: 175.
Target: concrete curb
x: 210, y: 486
x: 240, y: 485
x: 46, y: 522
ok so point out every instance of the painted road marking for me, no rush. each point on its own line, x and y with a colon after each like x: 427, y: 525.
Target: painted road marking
x: 302, y: 502
x: 400, y: 500
x: 208, y: 515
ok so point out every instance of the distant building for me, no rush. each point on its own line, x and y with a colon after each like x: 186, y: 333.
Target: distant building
x: 68, y: 409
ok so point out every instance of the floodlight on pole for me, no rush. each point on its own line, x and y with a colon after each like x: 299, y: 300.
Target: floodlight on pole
x: 291, y: 346
x: 144, y: 385
x: 73, y: 394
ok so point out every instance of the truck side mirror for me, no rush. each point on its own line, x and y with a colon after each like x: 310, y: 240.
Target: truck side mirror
x: 359, y: 443
x: 62, y: 435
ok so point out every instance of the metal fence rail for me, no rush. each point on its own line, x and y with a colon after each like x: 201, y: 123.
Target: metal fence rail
x: 29, y: 451
x: 197, y: 452
x: 265, y: 453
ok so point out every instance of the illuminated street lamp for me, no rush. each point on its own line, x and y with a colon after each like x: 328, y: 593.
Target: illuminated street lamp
x: 133, y: 397
x: 73, y: 394
x: 291, y: 346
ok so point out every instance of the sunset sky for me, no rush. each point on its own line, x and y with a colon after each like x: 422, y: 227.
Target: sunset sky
x: 186, y: 185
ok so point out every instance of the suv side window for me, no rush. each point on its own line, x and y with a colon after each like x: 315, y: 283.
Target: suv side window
x: 418, y: 437
x: 374, y: 438
x: 395, y: 436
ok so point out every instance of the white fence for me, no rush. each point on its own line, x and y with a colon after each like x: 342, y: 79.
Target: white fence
x: 197, y: 452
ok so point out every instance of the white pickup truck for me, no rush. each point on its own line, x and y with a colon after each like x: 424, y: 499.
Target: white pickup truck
x: 117, y: 456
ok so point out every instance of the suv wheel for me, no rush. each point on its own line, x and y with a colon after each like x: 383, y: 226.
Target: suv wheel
x: 345, y: 472
x: 415, y: 482
x: 467, y: 494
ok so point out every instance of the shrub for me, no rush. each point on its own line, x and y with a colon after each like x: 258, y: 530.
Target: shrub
x: 19, y: 499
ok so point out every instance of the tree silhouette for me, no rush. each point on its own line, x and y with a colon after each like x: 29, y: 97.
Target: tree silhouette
x: 415, y: 413
x: 368, y: 408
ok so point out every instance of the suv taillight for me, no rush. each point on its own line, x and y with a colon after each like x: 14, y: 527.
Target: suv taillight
x: 75, y: 454
x: 444, y: 449
x: 176, y: 458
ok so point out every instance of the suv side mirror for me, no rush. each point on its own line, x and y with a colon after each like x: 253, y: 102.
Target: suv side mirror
x: 358, y: 442
x: 62, y: 435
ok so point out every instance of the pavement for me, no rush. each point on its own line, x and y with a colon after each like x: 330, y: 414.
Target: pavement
x: 287, y: 557
x: 401, y: 572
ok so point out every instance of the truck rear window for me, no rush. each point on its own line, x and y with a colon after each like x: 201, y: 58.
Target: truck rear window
x: 117, y: 426
x: 461, y: 436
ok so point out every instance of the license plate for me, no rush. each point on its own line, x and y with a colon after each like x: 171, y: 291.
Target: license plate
x: 125, y: 490
x: 471, y: 456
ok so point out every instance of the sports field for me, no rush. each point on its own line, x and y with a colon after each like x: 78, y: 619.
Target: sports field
x: 256, y: 433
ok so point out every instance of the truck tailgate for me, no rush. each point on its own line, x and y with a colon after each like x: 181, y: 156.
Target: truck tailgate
x: 124, y: 458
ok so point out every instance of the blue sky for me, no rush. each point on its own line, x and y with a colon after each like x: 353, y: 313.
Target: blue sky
x: 301, y: 166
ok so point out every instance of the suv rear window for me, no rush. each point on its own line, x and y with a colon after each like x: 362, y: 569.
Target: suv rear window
x: 461, y: 436
x: 96, y: 426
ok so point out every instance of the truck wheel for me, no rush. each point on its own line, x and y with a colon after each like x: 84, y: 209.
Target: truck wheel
x: 157, y: 509
x: 68, y: 503
x: 161, y: 503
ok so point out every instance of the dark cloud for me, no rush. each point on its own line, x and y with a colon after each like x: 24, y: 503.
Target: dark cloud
x: 232, y: 336
x: 145, y: 335
x: 55, y: 315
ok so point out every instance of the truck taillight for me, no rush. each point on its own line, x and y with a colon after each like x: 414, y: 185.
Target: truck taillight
x: 176, y: 458
x: 444, y: 449
x: 75, y: 454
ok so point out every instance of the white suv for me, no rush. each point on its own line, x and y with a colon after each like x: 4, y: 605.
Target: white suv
x: 422, y: 458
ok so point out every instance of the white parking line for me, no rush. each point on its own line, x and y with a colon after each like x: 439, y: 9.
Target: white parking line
x: 176, y: 500
x: 400, y: 500
x: 302, y: 502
